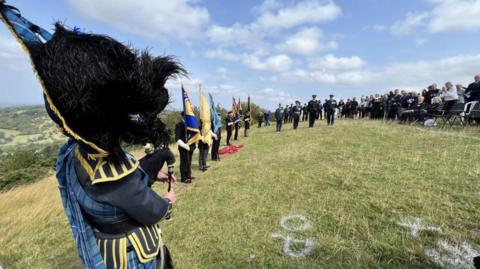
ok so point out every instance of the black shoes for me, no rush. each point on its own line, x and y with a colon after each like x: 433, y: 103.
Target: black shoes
x: 186, y: 181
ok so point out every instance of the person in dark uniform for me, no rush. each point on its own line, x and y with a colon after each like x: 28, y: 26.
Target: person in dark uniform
x: 285, y: 114
x: 236, y: 124
x: 341, y: 106
x: 331, y: 108
x: 290, y: 113
x: 216, y: 142
x: 267, y: 118
x: 325, y: 108
x: 313, y: 108
x: 296, y: 111
x: 320, y: 112
x: 260, y: 118
x: 229, y: 122
x: 246, y: 123
x: 305, y: 112
x: 473, y: 90
x: 279, y: 117
x: 186, y: 152
x: 203, y: 148
x: 353, y: 108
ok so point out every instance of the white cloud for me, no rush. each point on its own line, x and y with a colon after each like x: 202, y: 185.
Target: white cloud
x: 222, y: 54
x: 267, y: 6
x: 274, y: 17
x: 235, y: 33
x: 379, y: 27
x: 275, y: 63
x: 12, y: 55
x: 453, y: 15
x: 305, y: 12
x: 307, y: 42
x: 411, y: 75
x: 178, y: 19
x: 19, y: 83
x: 272, y: 95
x: 412, y: 21
x: 330, y: 62
x: 445, y: 16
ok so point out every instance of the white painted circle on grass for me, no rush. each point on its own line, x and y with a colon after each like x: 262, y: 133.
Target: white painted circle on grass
x: 287, y: 224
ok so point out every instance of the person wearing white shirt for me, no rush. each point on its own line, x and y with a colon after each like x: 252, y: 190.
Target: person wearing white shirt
x: 461, y: 93
x: 450, y: 96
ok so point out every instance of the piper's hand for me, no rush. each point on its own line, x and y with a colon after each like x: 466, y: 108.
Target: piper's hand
x: 214, y: 135
x: 162, y: 177
x: 182, y: 144
x: 171, y: 196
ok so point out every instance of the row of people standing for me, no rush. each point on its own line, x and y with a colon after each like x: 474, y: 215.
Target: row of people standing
x: 232, y: 122
x: 186, y: 151
x: 311, y: 111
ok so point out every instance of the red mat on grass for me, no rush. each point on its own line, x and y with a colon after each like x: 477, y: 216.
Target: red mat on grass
x: 230, y: 149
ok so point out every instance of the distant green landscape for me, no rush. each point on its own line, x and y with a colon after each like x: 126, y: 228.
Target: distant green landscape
x: 29, y: 142
x: 27, y: 127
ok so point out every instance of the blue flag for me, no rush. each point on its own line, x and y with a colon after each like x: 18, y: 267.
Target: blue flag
x: 217, y: 122
x: 23, y: 29
x: 191, y: 124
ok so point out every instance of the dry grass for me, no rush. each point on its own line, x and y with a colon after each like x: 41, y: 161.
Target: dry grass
x: 353, y: 182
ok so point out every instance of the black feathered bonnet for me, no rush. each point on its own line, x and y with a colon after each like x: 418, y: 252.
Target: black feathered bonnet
x: 102, y: 93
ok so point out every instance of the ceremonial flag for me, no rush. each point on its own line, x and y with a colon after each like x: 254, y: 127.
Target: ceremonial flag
x: 234, y: 105
x: 235, y: 109
x: 240, y: 109
x: 191, y: 124
x: 217, y: 122
x: 249, y: 109
x: 24, y: 30
x: 206, y: 119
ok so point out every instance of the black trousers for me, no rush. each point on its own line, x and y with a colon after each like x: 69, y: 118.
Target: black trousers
x: 296, y: 119
x: 279, y: 125
x: 203, y: 155
x: 305, y: 116
x: 449, y: 105
x: 330, y: 117
x: 229, y: 135
x: 216, y: 146
x: 312, y: 116
x: 246, y: 128
x: 320, y: 115
x: 185, y: 163
x: 260, y: 124
x: 236, y: 132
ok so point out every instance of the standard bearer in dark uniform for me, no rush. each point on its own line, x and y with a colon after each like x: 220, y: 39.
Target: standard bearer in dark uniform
x: 331, y: 108
x: 296, y: 111
x: 313, y: 109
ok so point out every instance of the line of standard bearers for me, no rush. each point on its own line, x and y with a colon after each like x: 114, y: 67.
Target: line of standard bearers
x: 312, y: 111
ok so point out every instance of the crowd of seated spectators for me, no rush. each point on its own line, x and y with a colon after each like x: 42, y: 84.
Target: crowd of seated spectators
x: 406, y: 106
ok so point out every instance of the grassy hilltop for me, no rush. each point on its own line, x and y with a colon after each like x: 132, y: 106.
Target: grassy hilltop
x: 352, y: 183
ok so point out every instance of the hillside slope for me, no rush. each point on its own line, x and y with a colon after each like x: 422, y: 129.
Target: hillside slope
x: 344, y: 189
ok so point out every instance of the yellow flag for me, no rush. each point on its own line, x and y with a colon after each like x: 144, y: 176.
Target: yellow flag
x: 206, y: 119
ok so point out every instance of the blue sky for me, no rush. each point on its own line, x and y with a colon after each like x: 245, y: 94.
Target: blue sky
x: 274, y: 51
